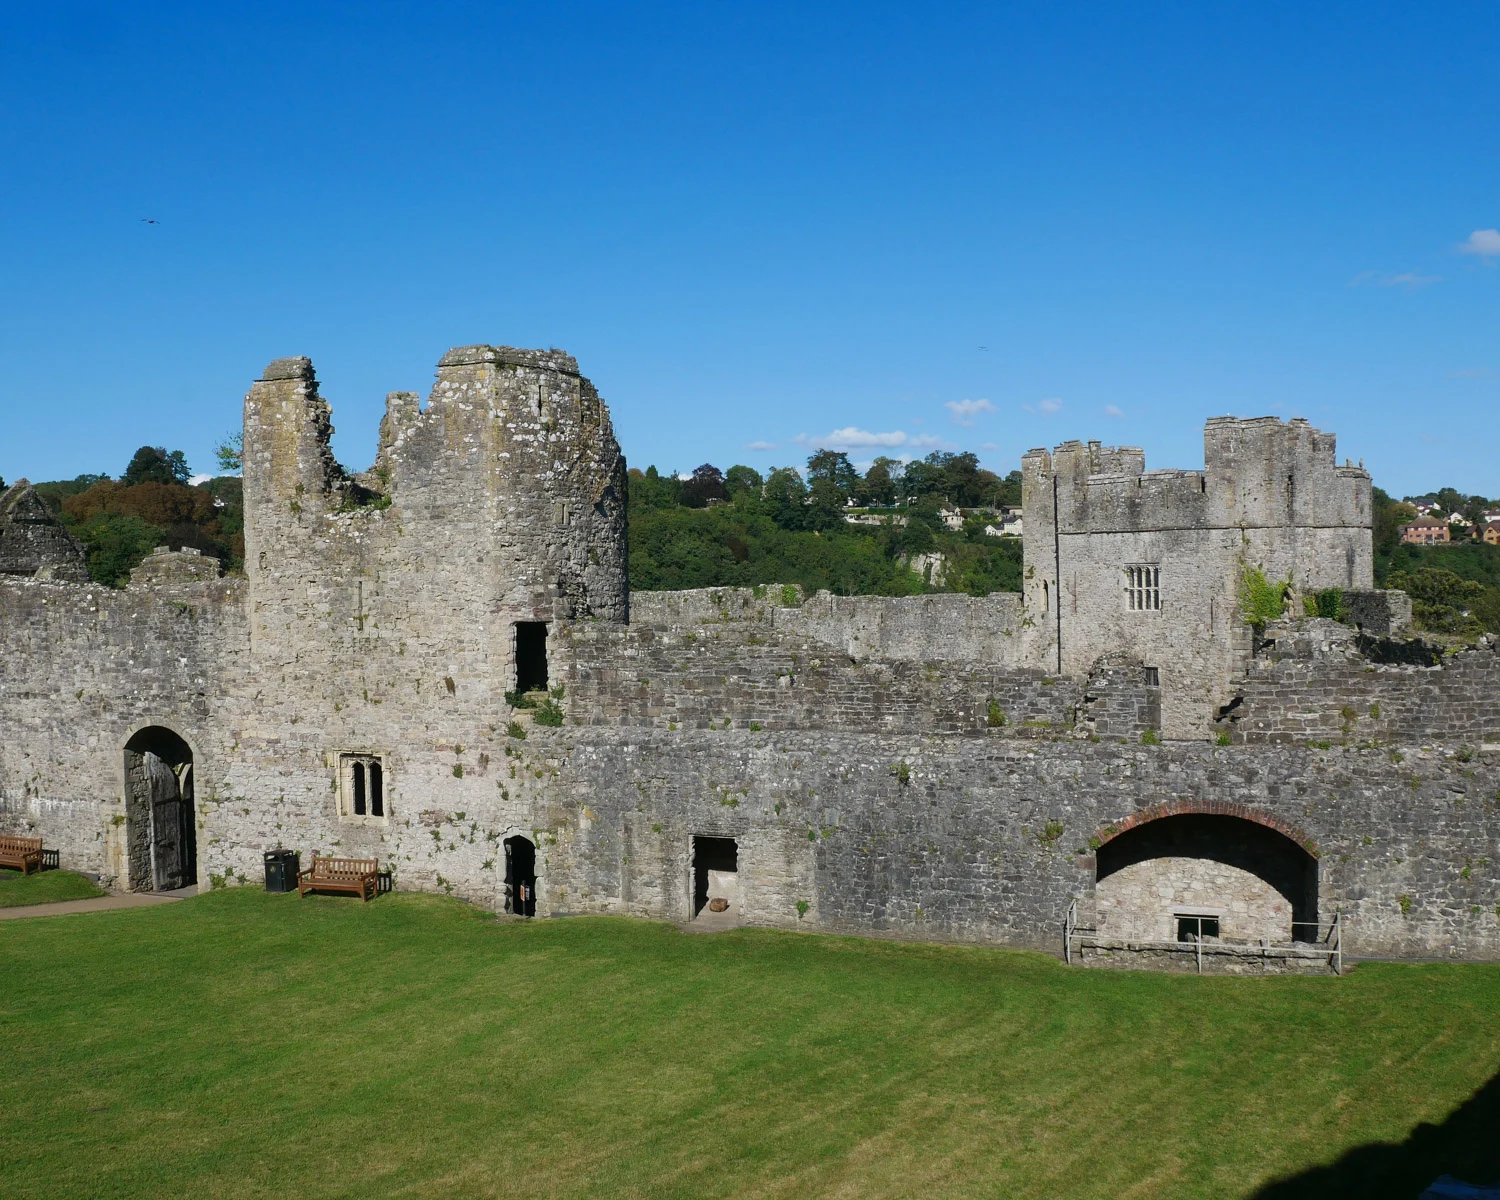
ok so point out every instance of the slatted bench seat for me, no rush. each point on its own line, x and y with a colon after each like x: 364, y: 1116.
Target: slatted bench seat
x: 358, y: 875
x: 21, y: 853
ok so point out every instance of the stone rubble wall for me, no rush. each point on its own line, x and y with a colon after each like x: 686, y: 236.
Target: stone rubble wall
x: 763, y: 671
x: 33, y: 544
x: 1339, y: 698
x: 936, y: 628
x: 975, y: 834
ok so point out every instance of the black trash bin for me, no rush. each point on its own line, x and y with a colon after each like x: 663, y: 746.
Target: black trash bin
x: 281, y: 870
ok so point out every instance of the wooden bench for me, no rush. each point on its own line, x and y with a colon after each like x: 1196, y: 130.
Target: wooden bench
x: 21, y: 853
x: 358, y: 875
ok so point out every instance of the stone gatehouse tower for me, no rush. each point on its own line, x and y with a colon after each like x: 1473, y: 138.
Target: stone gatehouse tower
x: 1114, y: 745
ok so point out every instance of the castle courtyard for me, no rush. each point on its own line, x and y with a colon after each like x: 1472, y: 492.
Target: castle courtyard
x: 238, y: 1044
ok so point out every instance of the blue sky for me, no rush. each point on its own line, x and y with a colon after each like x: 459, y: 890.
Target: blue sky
x: 883, y: 227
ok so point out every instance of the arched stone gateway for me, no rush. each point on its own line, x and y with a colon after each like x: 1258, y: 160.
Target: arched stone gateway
x: 160, y: 817
x: 1210, y: 876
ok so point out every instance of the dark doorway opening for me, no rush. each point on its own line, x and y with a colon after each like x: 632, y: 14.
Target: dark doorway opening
x: 531, y: 656
x: 520, y: 876
x: 161, y: 832
x: 1264, y: 852
x: 711, y: 854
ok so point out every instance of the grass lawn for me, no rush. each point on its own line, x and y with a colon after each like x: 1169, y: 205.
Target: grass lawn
x: 44, y: 887
x: 240, y: 1044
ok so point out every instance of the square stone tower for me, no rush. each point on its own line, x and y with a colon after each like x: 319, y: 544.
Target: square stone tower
x: 1148, y: 563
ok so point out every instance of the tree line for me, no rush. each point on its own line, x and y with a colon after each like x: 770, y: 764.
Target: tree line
x: 120, y: 521
x: 1455, y: 588
x: 718, y: 528
x: 739, y: 528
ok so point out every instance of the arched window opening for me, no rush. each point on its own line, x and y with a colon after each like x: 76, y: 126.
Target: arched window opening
x: 1201, y: 876
x: 161, y: 831
x: 377, y: 789
x: 362, y: 787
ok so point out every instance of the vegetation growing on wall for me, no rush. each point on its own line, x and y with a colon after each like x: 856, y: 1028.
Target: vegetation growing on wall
x: 1261, y: 600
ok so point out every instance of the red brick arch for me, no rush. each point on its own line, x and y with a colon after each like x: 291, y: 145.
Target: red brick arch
x: 1216, y: 808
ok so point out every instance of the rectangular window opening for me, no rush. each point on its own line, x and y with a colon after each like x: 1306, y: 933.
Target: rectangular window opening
x: 1143, y: 588
x: 531, y: 656
x: 1153, y: 677
x: 1196, y: 928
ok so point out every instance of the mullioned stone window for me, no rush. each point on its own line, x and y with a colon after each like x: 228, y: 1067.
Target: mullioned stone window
x: 1143, y: 588
x: 364, y: 788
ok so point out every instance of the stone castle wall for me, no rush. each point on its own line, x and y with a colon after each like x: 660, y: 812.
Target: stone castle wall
x: 83, y: 668
x: 737, y: 658
x: 914, y: 767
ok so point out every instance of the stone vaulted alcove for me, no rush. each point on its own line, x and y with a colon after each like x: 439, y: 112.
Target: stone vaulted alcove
x: 1254, y: 882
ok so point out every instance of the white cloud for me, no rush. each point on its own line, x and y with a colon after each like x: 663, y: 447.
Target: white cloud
x: 964, y: 411
x: 195, y: 480
x: 1051, y: 405
x: 853, y: 438
x: 1483, y: 242
x: 991, y: 447
x: 929, y: 441
x: 1404, y: 279
x: 1111, y: 410
x: 760, y: 445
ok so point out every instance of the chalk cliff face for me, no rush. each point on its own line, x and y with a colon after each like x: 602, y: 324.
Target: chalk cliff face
x: 32, y: 544
x: 938, y: 766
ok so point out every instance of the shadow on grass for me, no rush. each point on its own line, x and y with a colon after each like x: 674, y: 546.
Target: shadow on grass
x: 1466, y: 1146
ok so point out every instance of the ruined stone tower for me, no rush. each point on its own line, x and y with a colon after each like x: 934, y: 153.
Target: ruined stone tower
x: 501, y: 504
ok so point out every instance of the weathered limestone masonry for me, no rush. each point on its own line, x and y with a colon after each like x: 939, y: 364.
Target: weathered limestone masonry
x: 1270, y: 497
x: 83, y: 669
x: 939, y: 767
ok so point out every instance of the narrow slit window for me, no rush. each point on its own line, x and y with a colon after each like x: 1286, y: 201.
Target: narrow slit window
x: 359, y: 789
x: 1143, y: 588
x: 377, y: 791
